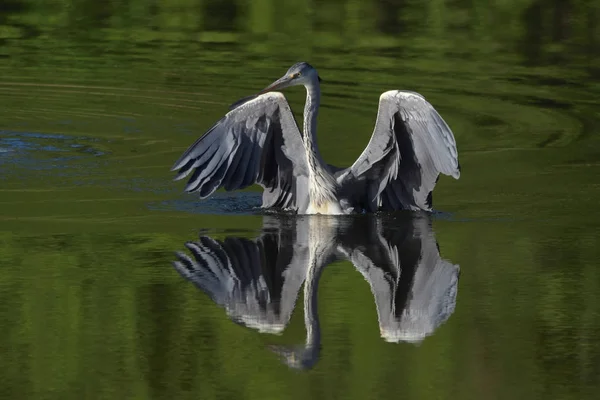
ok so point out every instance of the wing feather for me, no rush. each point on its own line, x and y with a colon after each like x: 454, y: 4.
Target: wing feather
x: 410, y: 146
x: 232, y: 169
x: 214, y: 181
x: 238, y: 177
x: 251, y: 171
x: 211, y: 169
x: 257, y: 142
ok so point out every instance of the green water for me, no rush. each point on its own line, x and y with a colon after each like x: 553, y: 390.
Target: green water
x: 98, y: 99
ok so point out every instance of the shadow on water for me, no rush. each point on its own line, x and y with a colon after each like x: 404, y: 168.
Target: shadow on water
x: 220, y: 203
x: 244, y: 203
x: 258, y: 281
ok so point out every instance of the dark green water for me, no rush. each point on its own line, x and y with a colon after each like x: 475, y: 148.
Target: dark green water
x: 97, y: 100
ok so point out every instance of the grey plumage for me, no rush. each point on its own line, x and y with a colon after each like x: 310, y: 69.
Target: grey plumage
x: 411, y: 145
x: 258, y: 141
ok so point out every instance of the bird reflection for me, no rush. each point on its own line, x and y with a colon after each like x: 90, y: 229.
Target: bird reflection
x: 257, y: 281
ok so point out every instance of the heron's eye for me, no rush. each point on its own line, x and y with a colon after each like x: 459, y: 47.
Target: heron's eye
x: 295, y: 74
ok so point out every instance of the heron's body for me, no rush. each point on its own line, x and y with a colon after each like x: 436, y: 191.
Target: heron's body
x: 259, y: 142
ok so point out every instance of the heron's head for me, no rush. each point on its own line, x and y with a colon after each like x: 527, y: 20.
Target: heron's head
x: 301, y: 73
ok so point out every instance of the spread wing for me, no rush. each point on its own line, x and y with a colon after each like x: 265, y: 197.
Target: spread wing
x: 411, y: 145
x: 257, y: 142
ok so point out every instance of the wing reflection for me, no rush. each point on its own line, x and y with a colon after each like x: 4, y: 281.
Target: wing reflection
x: 413, y: 287
x: 257, y: 281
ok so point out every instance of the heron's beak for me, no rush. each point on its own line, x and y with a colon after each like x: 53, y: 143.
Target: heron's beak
x: 280, y: 83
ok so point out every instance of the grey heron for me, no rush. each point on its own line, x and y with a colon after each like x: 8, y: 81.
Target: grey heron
x: 257, y: 281
x: 259, y: 142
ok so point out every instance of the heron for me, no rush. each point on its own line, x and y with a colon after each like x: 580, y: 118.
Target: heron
x: 258, y: 142
x: 258, y: 281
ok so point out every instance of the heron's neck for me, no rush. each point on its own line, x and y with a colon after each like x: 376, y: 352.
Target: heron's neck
x: 311, y: 111
x: 322, y: 184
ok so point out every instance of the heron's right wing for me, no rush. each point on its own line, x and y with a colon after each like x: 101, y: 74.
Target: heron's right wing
x: 256, y: 142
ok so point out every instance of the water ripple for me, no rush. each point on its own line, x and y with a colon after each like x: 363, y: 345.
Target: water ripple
x: 39, y: 151
x: 221, y: 203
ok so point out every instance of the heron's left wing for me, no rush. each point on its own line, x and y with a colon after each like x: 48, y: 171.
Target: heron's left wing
x: 411, y: 145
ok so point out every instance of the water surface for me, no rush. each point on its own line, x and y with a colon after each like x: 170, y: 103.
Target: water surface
x: 97, y: 102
